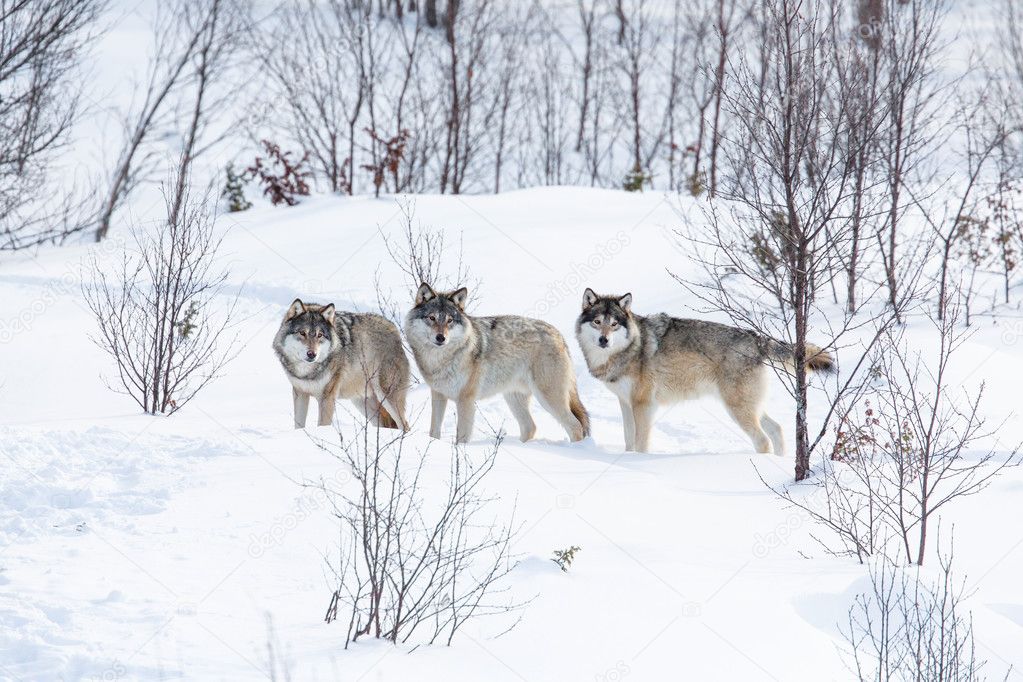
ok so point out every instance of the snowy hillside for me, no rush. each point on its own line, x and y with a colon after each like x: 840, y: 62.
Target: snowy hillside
x: 137, y: 547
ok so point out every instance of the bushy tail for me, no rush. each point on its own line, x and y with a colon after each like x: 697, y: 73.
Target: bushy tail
x: 578, y: 411
x: 817, y: 359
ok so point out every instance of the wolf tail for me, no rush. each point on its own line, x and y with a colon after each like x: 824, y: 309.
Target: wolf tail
x: 817, y: 359
x: 578, y: 411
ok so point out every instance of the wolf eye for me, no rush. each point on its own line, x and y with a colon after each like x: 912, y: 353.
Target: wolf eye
x: 595, y: 323
x: 302, y: 334
x: 433, y: 318
x: 614, y: 323
x: 319, y: 335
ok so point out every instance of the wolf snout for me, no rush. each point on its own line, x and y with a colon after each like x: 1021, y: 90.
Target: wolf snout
x: 310, y: 355
x: 602, y: 341
x: 439, y: 339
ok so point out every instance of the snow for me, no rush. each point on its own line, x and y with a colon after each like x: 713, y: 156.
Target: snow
x: 135, y: 547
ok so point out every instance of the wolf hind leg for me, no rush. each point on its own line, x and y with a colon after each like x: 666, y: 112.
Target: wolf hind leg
x: 774, y: 432
x: 519, y: 405
x: 556, y: 401
x: 392, y: 408
x: 747, y: 416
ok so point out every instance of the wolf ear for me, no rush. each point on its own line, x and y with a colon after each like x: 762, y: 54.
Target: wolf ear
x: 295, y: 309
x: 424, y: 294
x: 626, y: 302
x: 328, y: 313
x: 459, y: 297
x: 589, y: 298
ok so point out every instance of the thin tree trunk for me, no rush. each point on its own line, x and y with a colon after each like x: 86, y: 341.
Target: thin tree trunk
x: 719, y: 84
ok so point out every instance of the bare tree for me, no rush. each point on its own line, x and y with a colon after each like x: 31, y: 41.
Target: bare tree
x: 983, y: 130
x: 1011, y: 43
x: 469, y: 28
x: 219, y: 24
x: 725, y: 17
x: 910, y: 91
x: 790, y: 186
x: 548, y: 109
x: 408, y: 104
x: 41, y: 44
x: 194, y: 43
x: 157, y: 314
x: 412, y: 566
x: 315, y: 62
x: 1003, y: 210
x: 701, y: 90
x: 640, y: 39
x: 859, y: 78
x: 510, y: 50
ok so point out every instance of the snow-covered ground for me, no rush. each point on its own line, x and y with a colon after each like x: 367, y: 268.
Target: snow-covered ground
x: 135, y: 547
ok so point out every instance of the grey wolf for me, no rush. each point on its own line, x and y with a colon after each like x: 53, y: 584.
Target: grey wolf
x: 466, y: 358
x: 329, y: 355
x: 659, y: 360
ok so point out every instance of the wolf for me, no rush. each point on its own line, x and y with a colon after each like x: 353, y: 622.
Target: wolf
x: 357, y: 356
x: 659, y: 360
x: 466, y: 358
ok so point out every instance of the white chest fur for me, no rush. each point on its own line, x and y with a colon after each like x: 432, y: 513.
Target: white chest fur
x: 313, y: 387
x: 443, y: 372
x: 621, y: 388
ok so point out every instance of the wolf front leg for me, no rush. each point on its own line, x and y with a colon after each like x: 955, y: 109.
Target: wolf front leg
x: 643, y: 421
x: 301, y: 401
x: 466, y: 407
x: 326, y: 403
x: 628, y: 424
x: 438, y: 403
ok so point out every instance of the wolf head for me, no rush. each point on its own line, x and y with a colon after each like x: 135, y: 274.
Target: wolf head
x: 606, y: 321
x: 437, y: 318
x: 308, y: 332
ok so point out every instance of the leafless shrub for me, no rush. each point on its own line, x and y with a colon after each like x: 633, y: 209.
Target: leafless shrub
x: 909, y: 628
x: 194, y: 42
x: 156, y: 314
x: 421, y: 254
x: 904, y: 452
x: 415, y: 567
x: 40, y: 49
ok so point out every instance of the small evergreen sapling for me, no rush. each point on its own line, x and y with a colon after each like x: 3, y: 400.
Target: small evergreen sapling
x: 635, y: 180
x: 234, y: 191
x: 564, y: 557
